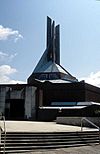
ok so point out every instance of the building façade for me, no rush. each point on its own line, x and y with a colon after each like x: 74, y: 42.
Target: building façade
x: 50, y: 91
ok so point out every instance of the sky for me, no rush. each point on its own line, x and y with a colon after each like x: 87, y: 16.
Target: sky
x: 23, y: 37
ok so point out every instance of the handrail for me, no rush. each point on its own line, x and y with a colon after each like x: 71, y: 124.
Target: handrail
x: 4, y: 130
x: 90, y: 122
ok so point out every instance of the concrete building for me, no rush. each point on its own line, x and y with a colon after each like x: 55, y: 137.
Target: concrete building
x: 49, y: 88
x: 17, y: 101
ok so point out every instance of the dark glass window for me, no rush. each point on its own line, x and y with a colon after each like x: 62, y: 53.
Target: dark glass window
x: 53, y: 76
x: 63, y: 103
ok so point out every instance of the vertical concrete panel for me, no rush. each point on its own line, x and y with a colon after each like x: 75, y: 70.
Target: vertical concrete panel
x: 2, y: 99
x: 30, y: 103
x: 33, y: 109
x: 40, y: 97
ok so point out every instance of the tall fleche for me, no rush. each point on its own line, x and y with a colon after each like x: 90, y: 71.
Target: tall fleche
x: 48, y: 67
x: 53, y: 41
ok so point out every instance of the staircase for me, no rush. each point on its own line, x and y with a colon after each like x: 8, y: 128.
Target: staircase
x: 17, y: 142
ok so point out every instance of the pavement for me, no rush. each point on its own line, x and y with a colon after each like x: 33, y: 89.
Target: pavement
x: 92, y: 149
x: 33, y: 126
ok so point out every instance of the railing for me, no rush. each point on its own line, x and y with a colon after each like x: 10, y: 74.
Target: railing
x: 3, y: 130
x: 90, y: 122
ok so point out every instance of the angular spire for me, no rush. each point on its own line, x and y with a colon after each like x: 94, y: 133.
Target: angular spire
x: 48, y: 67
x: 53, y: 41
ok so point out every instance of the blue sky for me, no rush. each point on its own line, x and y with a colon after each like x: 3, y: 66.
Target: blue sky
x: 23, y: 37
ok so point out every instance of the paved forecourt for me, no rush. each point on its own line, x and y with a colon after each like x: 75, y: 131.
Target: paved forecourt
x: 33, y: 126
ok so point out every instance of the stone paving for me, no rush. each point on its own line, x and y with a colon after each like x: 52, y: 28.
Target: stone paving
x: 33, y: 126
x: 93, y: 149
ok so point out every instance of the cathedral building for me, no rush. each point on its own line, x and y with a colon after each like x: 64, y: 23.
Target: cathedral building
x: 50, y: 90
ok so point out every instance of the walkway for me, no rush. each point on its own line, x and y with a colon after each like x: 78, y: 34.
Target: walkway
x: 32, y: 126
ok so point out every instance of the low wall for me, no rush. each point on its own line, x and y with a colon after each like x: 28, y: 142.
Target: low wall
x: 47, y: 114
x: 76, y: 121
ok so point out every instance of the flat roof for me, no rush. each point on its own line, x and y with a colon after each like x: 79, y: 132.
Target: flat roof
x: 60, y: 108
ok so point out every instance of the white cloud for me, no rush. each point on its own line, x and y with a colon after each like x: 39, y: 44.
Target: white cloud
x: 93, y: 78
x: 5, y: 33
x: 5, y: 72
x: 4, y: 57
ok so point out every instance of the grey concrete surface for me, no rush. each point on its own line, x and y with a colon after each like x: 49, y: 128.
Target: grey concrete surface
x: 33, y: 126
x: 76, y: 121
x: 92, y: 149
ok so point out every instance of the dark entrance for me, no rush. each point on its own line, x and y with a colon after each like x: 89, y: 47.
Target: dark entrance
x: 17, y: 109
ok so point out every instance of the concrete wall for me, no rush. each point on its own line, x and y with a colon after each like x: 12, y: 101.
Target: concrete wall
x: 76, y: 121
x: 26, y: 93
x: 2, y: 99
x: 15, y: 94
x: 30, y: 103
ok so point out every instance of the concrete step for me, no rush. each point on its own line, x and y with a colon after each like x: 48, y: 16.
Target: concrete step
x: 47, y: 142
x: 48, y: 137
x: 49, y: 133
x: 18, y: 141
x: 52, y: 139
x: 35, y: 148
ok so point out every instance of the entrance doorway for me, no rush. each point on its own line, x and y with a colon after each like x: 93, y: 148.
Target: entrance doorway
x: 17, y: 109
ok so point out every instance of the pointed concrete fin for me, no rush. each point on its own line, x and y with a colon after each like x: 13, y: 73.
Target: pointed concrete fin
x: 57, y: 44
x: 48, y: 30
x: 53, y: 41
